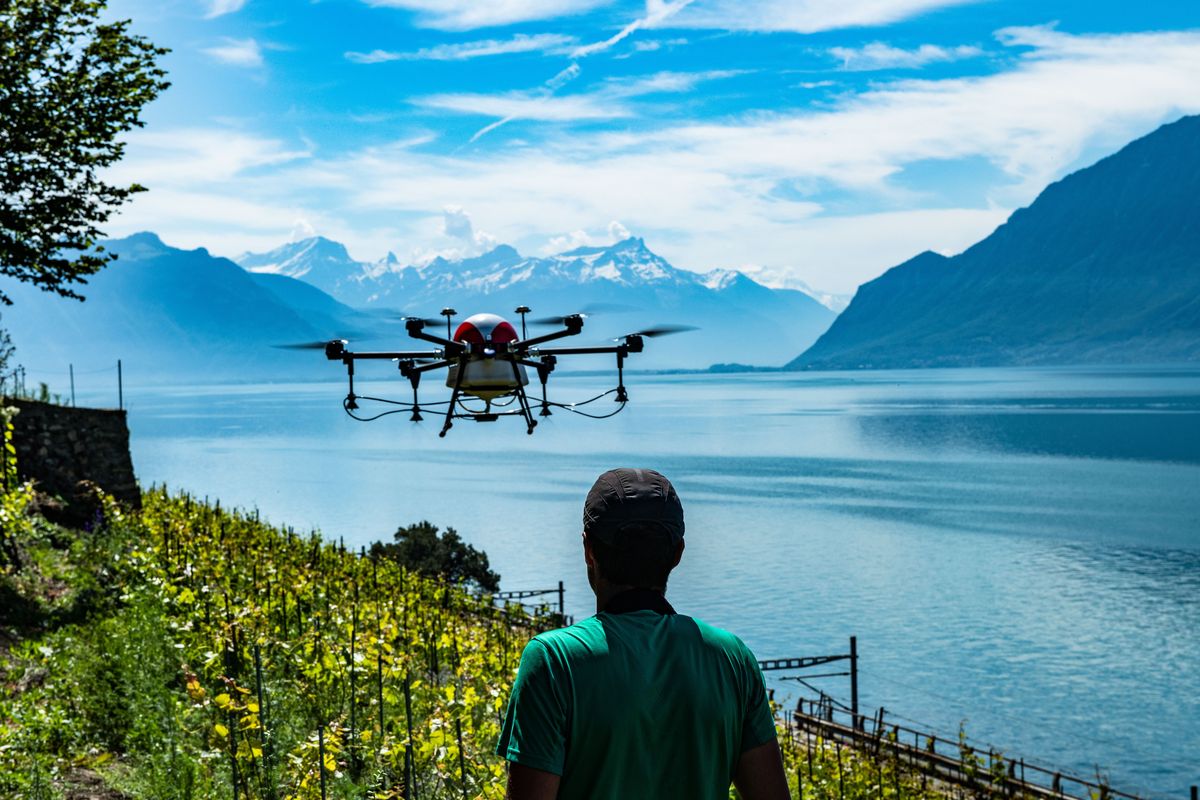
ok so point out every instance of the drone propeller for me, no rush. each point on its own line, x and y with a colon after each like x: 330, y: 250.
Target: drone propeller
x: 659, y: 330
x: 305, y: 345
x: 590, y: 310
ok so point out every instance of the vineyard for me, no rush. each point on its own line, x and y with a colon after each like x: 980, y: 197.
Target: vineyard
x: 186, y: 651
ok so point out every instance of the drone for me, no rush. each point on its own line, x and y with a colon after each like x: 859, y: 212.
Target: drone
x: 486, y: 361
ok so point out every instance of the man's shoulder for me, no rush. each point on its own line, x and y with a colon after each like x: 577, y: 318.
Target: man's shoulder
x: 719, y: 637
x: 573, y: 637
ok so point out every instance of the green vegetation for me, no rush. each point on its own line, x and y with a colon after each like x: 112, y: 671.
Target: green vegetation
x: 70, y: 85
x: 446, y: 556
x: 186, y: 651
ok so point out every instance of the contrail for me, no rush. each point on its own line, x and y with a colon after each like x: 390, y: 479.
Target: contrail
x: 656, y: 11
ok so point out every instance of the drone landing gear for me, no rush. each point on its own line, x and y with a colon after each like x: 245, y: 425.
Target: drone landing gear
x: 622, y: 395
x: 458, y: 379
x: 544, y: 368
x: 351, y: 403
x: 526, y: 411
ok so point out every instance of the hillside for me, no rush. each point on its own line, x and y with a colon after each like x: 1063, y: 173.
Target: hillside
x: 185, y: 651
x: 1103, y: 267
x: 173, y: 315
x: 739, y: 319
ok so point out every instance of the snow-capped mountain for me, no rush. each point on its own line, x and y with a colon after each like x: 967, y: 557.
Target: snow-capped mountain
x: 740, y: 320
x: 325, y: 264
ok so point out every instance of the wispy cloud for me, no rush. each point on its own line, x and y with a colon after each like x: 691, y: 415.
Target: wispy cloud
x: 804, y: 16
x: 878, y: 55
x: 657, y: 13
x: 520, y: 43
x: 521, y: 106
x: 219, y: 8
x: 707, y: 193
x: 237, y: 52
x: 459, y: 15
x: 609, y: 101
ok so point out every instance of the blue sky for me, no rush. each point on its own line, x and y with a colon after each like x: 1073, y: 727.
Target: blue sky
x: 813, y: 140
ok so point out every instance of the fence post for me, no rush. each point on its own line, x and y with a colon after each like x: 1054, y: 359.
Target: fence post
x: 855, y: 722
x: 562, y: 611
x: 120, y: 387
x: 321, y: 756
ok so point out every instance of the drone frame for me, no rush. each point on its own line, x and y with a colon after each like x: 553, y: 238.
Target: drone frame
x: 520, y: 353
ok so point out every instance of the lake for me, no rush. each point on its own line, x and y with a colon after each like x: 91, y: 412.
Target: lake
x: 1017, y: 550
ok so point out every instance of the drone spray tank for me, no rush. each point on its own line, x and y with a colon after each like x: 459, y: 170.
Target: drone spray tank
x: 487, y: 377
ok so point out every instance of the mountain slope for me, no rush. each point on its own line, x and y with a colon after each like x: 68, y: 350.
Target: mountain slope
x: 170, y: 315
x: 739, y: 319
x: 1103, y: 267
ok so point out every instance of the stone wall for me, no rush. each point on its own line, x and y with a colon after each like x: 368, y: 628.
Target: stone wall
x: 59, y: 446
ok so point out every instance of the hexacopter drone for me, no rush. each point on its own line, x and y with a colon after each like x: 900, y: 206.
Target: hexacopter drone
x: 487, y: 361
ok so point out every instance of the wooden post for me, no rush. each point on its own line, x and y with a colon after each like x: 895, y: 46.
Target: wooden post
x: 462, y: 762
x: 351, y: 744
x: 562, y: 609
x: 409, y: 793
x: 268, y: 766
x: 856, y: 722
x: 321, y: 756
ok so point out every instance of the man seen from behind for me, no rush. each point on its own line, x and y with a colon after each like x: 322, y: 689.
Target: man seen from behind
x: 638, y: 701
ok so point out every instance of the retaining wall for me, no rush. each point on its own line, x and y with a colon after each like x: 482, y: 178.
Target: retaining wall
x: 59, y: 446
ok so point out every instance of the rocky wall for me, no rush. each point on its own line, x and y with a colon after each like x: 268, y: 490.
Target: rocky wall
x: 59, y: 446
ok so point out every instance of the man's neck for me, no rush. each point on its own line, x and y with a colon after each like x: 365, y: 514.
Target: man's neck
x: 605, y: 592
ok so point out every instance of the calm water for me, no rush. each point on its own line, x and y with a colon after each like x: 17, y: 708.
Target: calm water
x: 1016, y: 549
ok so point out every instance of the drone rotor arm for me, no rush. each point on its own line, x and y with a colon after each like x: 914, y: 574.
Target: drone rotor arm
x: 573, y: 323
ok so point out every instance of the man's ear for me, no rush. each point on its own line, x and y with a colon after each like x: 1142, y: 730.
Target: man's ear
x: 589, y: 557
x: 678, y: 555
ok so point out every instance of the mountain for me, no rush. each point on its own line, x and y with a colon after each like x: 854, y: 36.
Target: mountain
x: 1103, y: 267
x: 322, y: 263
x: 739, y: 320
x: 172, y: 315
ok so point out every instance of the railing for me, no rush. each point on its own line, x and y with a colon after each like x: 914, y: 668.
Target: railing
x: 941, y: 760
x: 520, y: 595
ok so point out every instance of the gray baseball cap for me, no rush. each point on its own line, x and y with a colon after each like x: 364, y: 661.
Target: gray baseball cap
x: 628, y: 497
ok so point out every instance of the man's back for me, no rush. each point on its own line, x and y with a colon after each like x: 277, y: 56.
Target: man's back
x: 658, y: 704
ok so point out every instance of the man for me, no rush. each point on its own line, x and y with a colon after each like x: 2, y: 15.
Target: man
x: 638, y: 701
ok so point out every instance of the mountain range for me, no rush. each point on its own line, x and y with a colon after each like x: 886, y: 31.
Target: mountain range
x: 174, y: 315
x: 1103, y: 267
x: 738, y: 318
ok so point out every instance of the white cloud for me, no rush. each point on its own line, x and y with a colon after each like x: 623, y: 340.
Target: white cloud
x: 803, y: 16
x: 657, y: 13
x: 460, y: 15
x: 525, y: 106
x: 606, y: 102
x: 615, y: 232
x: 878, y: 55
x: 707, y: 194
x: 218, y: 8
x: 650, y: 45
x: 238, y: 52
x: 521, y: 43
x: 302, y: 229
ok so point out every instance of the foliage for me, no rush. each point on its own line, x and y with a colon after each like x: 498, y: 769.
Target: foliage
x: 187, y: 652
x: 204, y: 650
x: 420, y: 548
x: 69, y: 87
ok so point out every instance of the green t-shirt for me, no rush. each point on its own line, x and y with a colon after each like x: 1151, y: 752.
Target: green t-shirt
x: 634, y: 705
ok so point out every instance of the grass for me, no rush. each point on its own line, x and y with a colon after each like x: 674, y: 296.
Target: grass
x: 187, y: 651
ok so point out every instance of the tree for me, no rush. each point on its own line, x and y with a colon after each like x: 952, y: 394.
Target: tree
x: 420, y: 548
x: 69, y: 87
